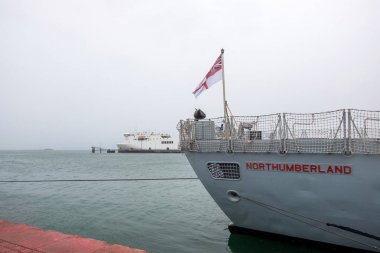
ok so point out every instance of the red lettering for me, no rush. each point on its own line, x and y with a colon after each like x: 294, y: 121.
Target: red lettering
x: 339, y: 169
x: 347, y: 169
x: 306, y: 168
x: 329, y: 169
x: 289, y: 167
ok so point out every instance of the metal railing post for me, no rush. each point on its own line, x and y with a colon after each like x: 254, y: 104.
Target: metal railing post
x: 345, y: 148
x: 283, y: 133
x: 349, y: 148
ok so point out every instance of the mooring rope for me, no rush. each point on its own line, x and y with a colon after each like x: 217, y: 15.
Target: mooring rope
x: 98, y: 180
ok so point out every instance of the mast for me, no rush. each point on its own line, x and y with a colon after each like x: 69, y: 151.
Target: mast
x: 227, y: 123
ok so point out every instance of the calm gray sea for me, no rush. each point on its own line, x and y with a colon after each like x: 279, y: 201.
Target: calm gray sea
x: 158, y: 216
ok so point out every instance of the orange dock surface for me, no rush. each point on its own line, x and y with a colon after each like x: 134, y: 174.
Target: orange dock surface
x: 22, y: 238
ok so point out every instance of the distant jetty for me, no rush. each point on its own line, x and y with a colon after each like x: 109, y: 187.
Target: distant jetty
x: 102, y: 150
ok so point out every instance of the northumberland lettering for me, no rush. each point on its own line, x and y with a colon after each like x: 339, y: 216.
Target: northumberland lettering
x: 300, y: 168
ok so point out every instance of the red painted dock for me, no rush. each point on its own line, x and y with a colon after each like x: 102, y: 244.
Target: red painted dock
x: 21, y: 238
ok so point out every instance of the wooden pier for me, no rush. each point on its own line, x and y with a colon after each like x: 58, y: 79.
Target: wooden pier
x: 21, y: 238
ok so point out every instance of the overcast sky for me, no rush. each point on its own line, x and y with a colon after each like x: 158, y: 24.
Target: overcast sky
x: 80, y: 73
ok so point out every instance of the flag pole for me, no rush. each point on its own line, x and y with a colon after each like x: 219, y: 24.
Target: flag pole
x: 224, y: 88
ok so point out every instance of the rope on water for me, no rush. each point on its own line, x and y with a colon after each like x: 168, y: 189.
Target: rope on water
x: 99, y: 180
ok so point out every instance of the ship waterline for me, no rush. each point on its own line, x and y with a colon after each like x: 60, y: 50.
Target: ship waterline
x: 309, y: 176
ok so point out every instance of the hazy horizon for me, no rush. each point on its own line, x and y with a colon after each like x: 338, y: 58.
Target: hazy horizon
x: 81, y: 73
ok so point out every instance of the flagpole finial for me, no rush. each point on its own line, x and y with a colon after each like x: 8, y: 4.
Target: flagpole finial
x: 222, y: 51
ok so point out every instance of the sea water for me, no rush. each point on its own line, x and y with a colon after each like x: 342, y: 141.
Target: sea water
x: 155, y: 215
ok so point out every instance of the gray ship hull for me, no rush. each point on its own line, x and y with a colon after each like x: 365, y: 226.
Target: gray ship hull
x: 329, y: 198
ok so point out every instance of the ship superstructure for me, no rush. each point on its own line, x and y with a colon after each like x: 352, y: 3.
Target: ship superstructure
x: 148, y: 142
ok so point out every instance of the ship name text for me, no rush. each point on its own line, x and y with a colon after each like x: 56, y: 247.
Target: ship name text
x: 300, y: 168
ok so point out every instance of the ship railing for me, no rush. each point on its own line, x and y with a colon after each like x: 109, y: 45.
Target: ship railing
x: 341, y: 131
x: 237, y: 134
x: 257, y: 133
x: 314, y: 132
x: 203, y: 135
x: 363, y: 131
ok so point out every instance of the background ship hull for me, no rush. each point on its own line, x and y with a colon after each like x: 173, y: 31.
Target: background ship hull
x: 148, y: 143
x: 300, y: 204
x: 149, y: 151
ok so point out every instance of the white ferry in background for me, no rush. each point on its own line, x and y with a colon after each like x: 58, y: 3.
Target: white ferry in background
x: 148, y: 142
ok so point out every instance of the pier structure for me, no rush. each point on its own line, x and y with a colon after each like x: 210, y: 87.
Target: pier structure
x: 100, y: 150
x: 16, y: 238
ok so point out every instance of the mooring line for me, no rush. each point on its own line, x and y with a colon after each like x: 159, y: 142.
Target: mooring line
x: 98, y: 180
